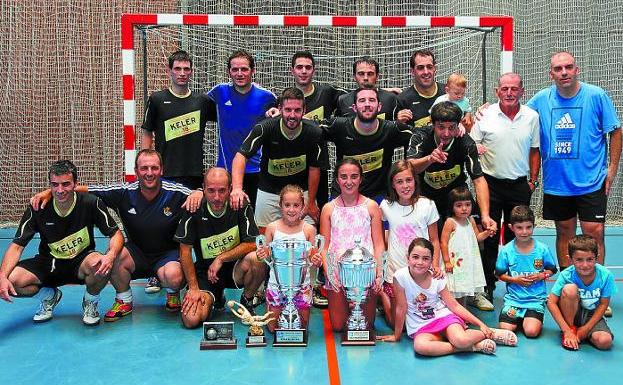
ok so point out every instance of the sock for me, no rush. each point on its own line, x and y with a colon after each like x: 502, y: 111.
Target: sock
x: 171, y: 291
x: 125, y: 296
x: 90, y: 297
x: 45, y: 293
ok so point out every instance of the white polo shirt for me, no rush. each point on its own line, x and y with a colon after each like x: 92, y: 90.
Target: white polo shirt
x: 508, y: 142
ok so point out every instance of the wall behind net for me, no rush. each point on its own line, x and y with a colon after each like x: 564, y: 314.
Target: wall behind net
x: 62, y: 90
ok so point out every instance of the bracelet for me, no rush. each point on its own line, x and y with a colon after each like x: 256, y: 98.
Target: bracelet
x: 534, y: 182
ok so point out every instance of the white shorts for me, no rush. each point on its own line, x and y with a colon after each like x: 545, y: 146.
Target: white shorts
x: 267, y: 208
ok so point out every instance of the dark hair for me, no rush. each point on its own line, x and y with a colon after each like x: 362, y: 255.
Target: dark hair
x: 421, y: 242
x: 303, y: 54
x: 292, y: 93
x: 180, y: 56
x: 367, y: 60
x: 242, y: 54
x: 147, y: 151
x: 446, y: 112
x: 583, y: 242
x: 344, y: 161
x: 422, y: 52
x: 521, y: 213
x: 396, y: 168
x: 62, y: 167
x: 365, y: 87
x: 457, y: 194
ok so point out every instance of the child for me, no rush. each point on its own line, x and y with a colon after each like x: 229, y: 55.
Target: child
x: 455, y: 93
x: 581, y: 295
x: 460, y: 251
x: 346, y: 219
x: 524, y: 264
x: 409, y: 216
x: 290, y: 226
x: 434, y: 319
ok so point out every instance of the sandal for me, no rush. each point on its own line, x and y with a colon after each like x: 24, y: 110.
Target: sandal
x: 485, y: 346
x: 562, y: 340
x: 504, y: 337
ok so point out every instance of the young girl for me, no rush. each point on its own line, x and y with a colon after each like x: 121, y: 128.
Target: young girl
x: 434, y: 319
x: 409, y: 216
x: 459, y: 248
x: 346, y: 219
x: 290, y: 226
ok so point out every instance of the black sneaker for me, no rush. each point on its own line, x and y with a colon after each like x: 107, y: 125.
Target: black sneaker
x: 248, y: 303
x: 319, y: 301
x: 219, y: 302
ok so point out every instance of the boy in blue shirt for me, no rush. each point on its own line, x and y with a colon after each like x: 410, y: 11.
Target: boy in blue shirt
x: 581, y: 295
x: 524, y: 264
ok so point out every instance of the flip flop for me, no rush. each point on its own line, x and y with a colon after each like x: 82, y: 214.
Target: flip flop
x: 504, y: 337
x: 562, y: 341
x: 485, y: 346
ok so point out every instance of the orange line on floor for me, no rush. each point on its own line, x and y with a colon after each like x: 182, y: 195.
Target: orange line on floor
x: 329, y: 343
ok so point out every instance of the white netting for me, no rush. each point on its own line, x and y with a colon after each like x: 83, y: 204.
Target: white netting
x: 62, y: 89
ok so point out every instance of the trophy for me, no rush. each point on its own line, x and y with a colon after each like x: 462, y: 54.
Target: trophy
x: 256, y: 323
x: 357, y: 270
x: 218, y: 335
x: 289, y: 263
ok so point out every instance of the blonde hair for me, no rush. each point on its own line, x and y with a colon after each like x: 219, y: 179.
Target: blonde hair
x: 291, y: 188
x: 457, y: 80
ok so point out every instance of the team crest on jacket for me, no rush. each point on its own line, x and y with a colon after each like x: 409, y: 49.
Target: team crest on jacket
x: 538, y: 264
x: 167, y: 211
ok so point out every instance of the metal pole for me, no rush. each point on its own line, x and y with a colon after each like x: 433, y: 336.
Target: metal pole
x: 144, y: 40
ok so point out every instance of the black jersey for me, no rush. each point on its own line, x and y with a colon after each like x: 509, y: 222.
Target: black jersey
x: 284, y: 161
x: 439, y: 178
x: 374, y: 152
x: 386, y: 98
x: 410, y: 99
x: 322, y: 102
x: 179, y: 127
x: 150, y: 225
x: 212, y: 235
x: 69, y: 236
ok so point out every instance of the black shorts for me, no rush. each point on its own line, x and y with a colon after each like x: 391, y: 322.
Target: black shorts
x: 225, y: 279
x: 146, y: 266
x: 582, y: 317
x: 504, y: 317
x: 589, y: 207
x: 250, y: 184
x: 54, y: 272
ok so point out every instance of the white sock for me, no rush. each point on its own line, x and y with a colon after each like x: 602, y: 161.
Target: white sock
x: 125, y: 296
x: 90, y: 297
x: 45, y: 293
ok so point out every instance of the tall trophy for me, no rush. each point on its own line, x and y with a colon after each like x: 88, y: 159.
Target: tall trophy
x: 289, y: 262
x: 357, y: 270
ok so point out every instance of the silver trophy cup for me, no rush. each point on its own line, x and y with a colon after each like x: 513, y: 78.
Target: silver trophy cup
x: 289, y: 262
x: 357, y: 270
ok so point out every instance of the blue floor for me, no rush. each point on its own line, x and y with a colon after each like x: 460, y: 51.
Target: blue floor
x: 151, y: 347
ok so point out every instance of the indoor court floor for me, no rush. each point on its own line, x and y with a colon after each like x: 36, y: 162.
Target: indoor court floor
x: 151, y: 347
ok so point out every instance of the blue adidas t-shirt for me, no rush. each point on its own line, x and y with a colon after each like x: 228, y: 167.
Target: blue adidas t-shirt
x: 237, y: 114
x: 573, y: 138
x: 515, y: 264
x: 602, y: 286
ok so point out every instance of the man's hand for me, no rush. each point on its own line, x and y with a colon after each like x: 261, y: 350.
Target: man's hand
x: 490, y: 225
x: 449, y: 267
x: 192, y: 300
x: 438, y: 155
x: 40, y: 200
x: 237, y: 198
x: 105, y: 262
x: 313, y: 211
x: 6, y: 289
x: 193, y: 201
x: 214, y: 269
x: 609, y: 181
x: 404, y: 116
x: 273, y: 112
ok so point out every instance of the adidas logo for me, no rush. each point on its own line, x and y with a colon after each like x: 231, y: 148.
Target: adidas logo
x: 565, y: 122
x: 49, y: 223
x: 414, y: 103
x: 228, y: 103
x: 166, y: 102
x: 349, y: 138
x: 132, y: 211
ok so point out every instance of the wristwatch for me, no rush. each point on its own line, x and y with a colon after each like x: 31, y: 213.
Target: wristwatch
x: 534, y: 182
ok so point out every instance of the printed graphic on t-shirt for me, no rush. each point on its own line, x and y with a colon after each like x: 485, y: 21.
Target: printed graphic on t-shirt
x: 315, y: 115
x: 442, y: 178
x: 369, y: 161
x: 182, y: 125
x: 287, y: 166
x: 212, y: 246
x: 71, y: 245
x: 565, y: 133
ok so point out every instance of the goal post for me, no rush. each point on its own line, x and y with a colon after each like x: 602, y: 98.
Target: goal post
x: 131, y: 20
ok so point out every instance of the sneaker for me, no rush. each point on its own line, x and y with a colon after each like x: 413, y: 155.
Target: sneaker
x: 481, y: 302
x: 173, y: 302
x: 90, y: 313
x: 608, y: 312
x: 219, y: 302
x: 260, y: 296
x: 119, y: 309
x: 153, y: 285
x: 319, y: 301
x: 248, y: 303
x: 47, y: 307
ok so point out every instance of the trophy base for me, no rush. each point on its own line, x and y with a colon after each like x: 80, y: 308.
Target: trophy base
x: 358, y: 338
x: 220, y: 345
x: 255, y: 341
x: 290, y: 337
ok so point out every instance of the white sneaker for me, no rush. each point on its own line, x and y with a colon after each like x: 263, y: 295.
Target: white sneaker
x: 608, y: 312
x: 482, y: 303
x: 153, y: 285
x: 90, y: 313
x: 47, y: 307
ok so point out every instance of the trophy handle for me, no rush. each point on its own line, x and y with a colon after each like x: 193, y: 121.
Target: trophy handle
x: 319, y: 242
x: 384, y: 262
x: 260, y: 241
